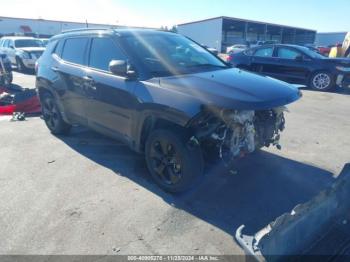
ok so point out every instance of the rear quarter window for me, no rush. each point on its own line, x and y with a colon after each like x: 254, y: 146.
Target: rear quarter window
x: 58, y: 48
x: 74, y: 50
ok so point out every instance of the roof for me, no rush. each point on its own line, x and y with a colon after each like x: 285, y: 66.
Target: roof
x: 244, y: 20
x: 281, y: 45
x: 120, y: 32
x: 17, y: 37
x: 61, y: 21
x: 332, y: 33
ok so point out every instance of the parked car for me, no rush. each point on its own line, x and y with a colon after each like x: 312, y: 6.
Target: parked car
x: 45, y: 41
x: 252, y: 44
x: 236, y: 48
x: 22, y: 51
x: 294, y: 64
x: 6, y: 76
x: 211, y: 50
x: 163, y: 95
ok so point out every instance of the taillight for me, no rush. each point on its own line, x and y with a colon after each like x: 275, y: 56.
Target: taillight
x: 36, y: 66
x: 229, y: 58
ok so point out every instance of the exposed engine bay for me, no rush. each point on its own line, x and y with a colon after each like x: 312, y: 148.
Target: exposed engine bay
x: 234, y: 133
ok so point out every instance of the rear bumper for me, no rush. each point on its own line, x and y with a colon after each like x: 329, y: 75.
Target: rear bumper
x: 29, y: 63
x: 343, y: 80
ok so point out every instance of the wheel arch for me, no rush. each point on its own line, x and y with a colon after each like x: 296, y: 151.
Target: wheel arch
x: 41, y: 91
x: 152, y: 122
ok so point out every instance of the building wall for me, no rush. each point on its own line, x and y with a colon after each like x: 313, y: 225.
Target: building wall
x: 39, y: 26
x: 208, y: 32
x: 326, y: 39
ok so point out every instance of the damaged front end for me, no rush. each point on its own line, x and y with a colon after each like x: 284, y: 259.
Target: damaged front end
x: 233, y: 134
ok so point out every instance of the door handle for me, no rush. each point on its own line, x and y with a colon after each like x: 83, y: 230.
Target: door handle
x: 90, y: 83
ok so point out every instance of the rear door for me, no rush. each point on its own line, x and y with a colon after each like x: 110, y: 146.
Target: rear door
x: 70, y: 70
x: 262, y: 61
x: 291, y: 69
x: 111, y: 98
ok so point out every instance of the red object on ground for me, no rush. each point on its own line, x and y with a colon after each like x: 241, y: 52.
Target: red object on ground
x: 7, y: 110
x: 29, y: 104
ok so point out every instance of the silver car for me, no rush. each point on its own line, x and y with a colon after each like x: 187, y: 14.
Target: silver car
x: 22, y: 51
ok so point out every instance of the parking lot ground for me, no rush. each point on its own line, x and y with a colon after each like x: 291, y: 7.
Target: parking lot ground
x: 88, y: 194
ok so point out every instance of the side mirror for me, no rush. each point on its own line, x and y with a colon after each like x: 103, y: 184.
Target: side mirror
x: 120, y: 68
x: 299, y: 58
x: 12, y: 47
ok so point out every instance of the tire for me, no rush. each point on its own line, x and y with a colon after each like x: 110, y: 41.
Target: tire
x: 322, y: 81
x: 20, y: 66
x: 8, y: 79
x: 52, y: 116
x: 174, y: 165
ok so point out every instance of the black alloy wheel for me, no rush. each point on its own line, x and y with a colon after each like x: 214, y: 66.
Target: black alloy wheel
x: 166, y: 162
x: 52, y: 116
x: 173, y: 163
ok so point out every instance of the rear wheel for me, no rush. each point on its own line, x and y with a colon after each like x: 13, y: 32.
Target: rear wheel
x: 53, y: 117
x: 322, y: 81
x: 174, y: 165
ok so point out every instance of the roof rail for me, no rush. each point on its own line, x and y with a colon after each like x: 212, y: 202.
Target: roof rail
x: 84, y: 29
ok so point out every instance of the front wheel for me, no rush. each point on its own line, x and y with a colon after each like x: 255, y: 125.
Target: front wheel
x: 322, y: 81
x: 173, y: 163
x: 53, y: 117
x: 6, y: 79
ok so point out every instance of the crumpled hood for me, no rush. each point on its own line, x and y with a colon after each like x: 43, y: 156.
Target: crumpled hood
x: 32, y: 49
x: 234, y: 89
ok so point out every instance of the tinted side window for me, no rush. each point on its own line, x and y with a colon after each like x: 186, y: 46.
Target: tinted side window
x: 74, y: 50
x: 50, y: 48
x: 103, y: 51
x: 264, y: 52
x: 287, y: 53
x: 59, y: 48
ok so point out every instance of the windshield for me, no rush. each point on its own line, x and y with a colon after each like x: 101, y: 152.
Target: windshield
x: 28, y: 43
x: 167, y: 54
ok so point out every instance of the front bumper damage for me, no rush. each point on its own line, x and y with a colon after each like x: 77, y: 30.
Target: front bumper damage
x: 305, y: 230
x: 234, y: 133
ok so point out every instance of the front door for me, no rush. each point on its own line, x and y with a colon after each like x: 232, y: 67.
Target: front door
x: 111, y: 97
x: 292, y: 65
